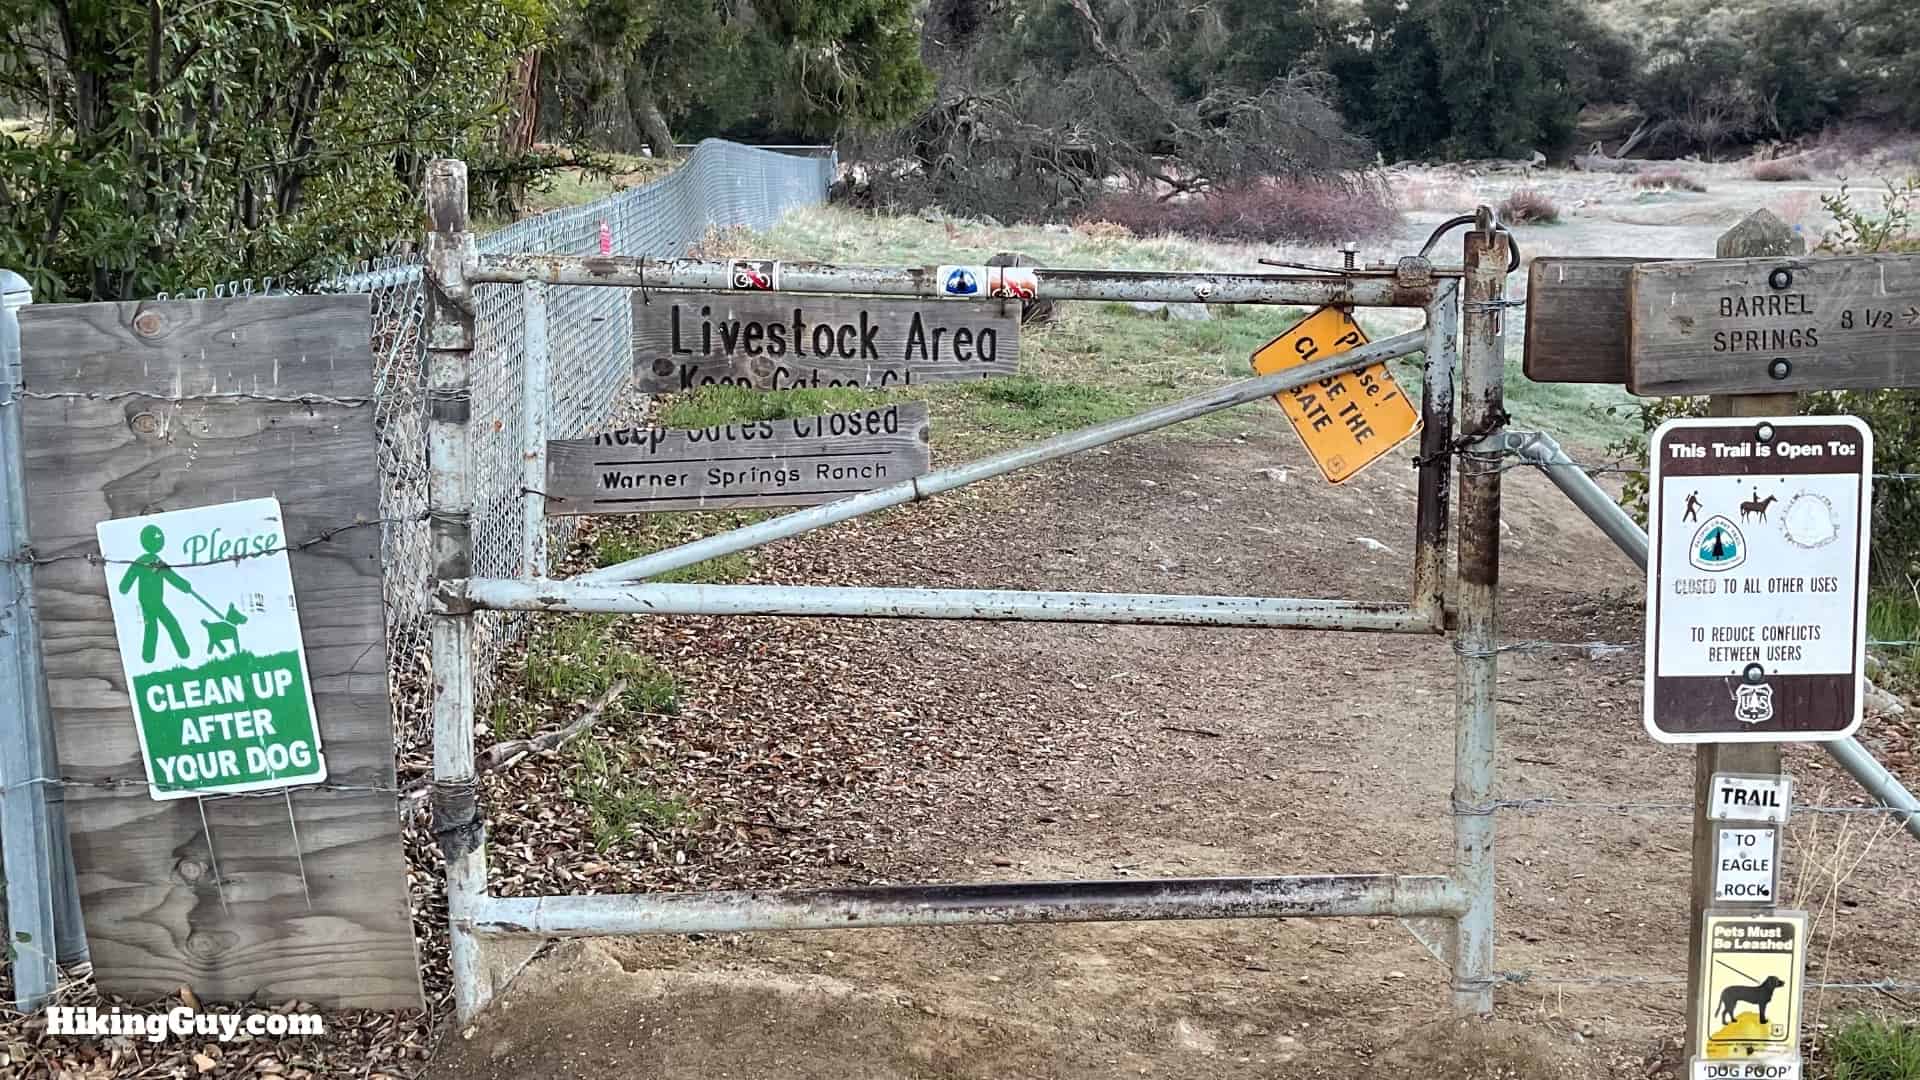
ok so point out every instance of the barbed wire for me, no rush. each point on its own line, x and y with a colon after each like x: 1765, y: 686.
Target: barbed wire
x: 176, y: 399
x: 1553, y: 802
x: 1615, y: 467
x: 1523, y: 977
x: 28, y: 558
x: 126, y: 782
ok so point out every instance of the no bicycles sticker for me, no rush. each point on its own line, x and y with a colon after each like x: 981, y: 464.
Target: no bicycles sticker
x: 209, y: 637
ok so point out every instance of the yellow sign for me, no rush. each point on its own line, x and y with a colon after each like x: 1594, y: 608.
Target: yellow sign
x: 1348, y: 421
x: 1750, y: 998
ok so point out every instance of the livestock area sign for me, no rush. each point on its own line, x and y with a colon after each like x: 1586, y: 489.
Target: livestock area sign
x: 209, y: 636
x: 1756, y: 599
x: 782, y: 341
x: 1774, y: 325
x: 1749, y: 1003
x: 797, y: 461
x: 1347, y: 421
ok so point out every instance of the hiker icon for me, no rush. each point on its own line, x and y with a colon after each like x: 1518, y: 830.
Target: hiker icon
x: 151, y: 575
x: 1693, y: 507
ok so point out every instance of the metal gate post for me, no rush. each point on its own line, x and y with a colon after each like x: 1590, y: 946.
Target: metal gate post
x: 536, y: 405
x: 1482, y: 393
x: 450, y: 339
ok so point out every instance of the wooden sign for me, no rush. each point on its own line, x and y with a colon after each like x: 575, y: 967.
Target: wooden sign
x: 1577, y: 320
x: 798, y: 461
x: 1346, y: 421
x: 789, y: 341
x: 147, y: 409
x: 1756, y: 578
x: 1775, y: 325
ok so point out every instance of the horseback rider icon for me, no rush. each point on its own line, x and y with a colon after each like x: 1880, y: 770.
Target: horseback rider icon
x: 1693, y: 507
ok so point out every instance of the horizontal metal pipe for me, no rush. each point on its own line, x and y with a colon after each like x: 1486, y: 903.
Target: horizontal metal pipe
x: 1058, y: 283
x: 934, y: 483
x: 1542, y: 450
x: 1406, y: 896
x: 992, y: 605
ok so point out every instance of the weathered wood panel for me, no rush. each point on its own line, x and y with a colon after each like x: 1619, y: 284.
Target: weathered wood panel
x: 1577, y: 320
x: 799, y: 461
x: 139, y: 408
x: 1775, y: 325
x: 781, y: 341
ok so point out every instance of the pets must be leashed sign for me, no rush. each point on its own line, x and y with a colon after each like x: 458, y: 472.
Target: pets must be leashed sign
x: 209, y: 636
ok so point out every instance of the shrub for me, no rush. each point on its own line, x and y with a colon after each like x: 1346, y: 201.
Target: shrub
x: 1670, y: 179
x: 1529, y: 206
x: 1265, y: 211
x: 1777, y: 170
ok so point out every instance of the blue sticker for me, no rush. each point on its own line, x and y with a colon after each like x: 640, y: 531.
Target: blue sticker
x: 959, y: 281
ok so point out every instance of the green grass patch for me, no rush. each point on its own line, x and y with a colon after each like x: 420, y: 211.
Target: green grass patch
x: 621, y: 539
x: 1871, y: 1048
x: 713, y: 406
x: 607, y: 779
x: 1893, y: 615
x: 577, y: 658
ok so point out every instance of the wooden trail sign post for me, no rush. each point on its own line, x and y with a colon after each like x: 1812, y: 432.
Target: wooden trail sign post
x: 797, y: 461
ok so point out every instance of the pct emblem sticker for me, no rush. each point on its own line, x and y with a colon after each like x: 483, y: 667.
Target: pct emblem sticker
x: 1718, y: 545
x: 209, y: 636
x: 959, y: 280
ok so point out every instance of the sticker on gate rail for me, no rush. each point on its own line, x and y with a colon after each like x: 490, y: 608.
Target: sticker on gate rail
x: 756, y: 275
x: 1752, y: 975
x: 1756, y: 578
x: 209, y: 636
x: 967, y: 281
x: 1012, y: 283
x: 1346, y: 421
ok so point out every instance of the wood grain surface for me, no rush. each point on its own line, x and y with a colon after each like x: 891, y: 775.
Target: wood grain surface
x: 124, y: 416
x: 1718, y: 326
x: 1577, y: 320
x: 780, y: 341
x: 797, y: 461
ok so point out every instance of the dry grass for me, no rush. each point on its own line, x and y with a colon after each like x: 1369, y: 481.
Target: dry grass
x: 1780, y: 170
x: 1529, y: 206
x: 1669, y: 180
x: 1268, y: 211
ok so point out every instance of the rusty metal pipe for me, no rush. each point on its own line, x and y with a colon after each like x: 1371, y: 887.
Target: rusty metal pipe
x: 1310, y: 896
x: 1482, y: 412
x: 1057, y: 283
x: 1436, y: 455
x: 944, y: 480
x: 988, y: 605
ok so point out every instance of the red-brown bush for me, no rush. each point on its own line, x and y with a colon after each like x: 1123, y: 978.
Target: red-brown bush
x: 1778, y: 170
x: 1529, y: 206
x: 1267, y: 212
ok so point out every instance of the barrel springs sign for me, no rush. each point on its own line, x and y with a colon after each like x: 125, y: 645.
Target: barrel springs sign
x: 777, y: 341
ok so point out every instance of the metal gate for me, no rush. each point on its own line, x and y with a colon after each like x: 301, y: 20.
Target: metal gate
x: 1462, y: 339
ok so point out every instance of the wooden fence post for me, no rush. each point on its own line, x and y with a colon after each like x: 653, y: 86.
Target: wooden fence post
x: 1760, y: 234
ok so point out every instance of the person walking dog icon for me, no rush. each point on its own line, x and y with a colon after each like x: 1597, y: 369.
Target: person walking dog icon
x: 152, y: 575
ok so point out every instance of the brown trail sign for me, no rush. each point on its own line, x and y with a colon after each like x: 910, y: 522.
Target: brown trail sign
x: 773, y: 341
x: 1775, y: 325
x: 797, y: 461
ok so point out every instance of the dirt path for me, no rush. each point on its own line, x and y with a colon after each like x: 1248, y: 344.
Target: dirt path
x: 1082, y: 751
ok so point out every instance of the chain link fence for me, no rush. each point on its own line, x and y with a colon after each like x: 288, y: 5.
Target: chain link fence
x: 590, y: 335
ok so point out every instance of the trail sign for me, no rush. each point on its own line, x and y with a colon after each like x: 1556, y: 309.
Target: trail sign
x: 1735, y: 797
x: 1749, y: 1005
x: 209, y: 635
x: 1756, y: 598
x: 784, y: 341
x: 1746, y: 867
x: 1774, y: 325
x: 1346, y: 421
x: 797, y: 461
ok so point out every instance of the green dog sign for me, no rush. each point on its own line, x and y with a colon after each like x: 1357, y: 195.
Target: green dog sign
x: 209, y: 637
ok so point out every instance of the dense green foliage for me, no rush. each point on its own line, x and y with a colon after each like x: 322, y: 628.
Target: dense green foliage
x: 178, y: 145
x: 626, y: 73
x: 1473, y: 78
